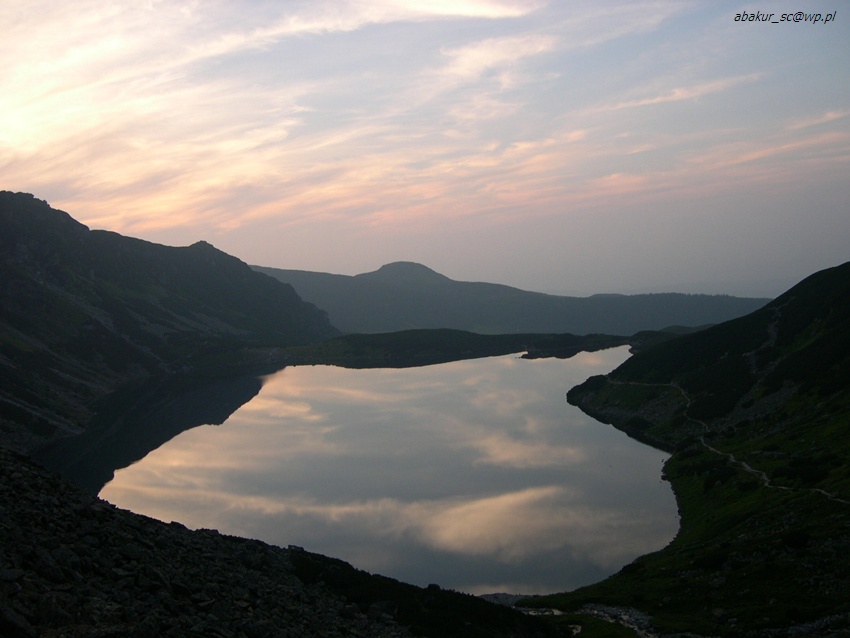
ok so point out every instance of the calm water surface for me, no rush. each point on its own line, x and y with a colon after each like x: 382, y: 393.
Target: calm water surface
x: 476, y: 475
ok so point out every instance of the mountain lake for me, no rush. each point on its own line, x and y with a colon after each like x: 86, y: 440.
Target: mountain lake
x: 476, y: 475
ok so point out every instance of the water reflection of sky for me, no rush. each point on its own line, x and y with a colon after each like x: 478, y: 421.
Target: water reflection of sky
x: 476, y: 475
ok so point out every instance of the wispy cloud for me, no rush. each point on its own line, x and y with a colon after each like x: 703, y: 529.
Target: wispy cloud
x: 682, y: 93
x: 191, y: 119
x: 335, y: 16
x: 817, y: 150
x: 471, y: 61
x: 825, y: 118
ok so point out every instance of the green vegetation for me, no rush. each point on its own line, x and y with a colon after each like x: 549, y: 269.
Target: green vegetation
x: 759, y: 431
x: 747, y: 558
x: 586, y: 625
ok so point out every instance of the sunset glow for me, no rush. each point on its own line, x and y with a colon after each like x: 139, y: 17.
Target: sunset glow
x: 569, y: 147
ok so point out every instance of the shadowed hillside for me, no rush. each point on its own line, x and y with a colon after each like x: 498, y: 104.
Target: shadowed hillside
x: 84, y: 311
x: 406, y: 296
x: 756, y: 413
x: 154, y: 339
x: 73, y: 565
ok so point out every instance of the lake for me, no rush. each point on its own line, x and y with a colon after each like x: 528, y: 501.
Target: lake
x: 475, y: 475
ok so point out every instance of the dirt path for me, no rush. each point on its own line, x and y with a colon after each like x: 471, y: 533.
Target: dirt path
x: 746, y: 467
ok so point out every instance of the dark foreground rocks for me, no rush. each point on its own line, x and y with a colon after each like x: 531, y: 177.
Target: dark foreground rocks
x: 75, y: 566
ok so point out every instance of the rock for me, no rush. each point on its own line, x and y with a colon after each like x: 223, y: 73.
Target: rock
x: 13, y: 625
x: 69, y: 563
x: 75, y: 567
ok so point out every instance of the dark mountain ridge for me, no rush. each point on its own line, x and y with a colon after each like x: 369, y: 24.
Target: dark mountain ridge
x: 756, y: 414
x: 86, y: 316
x: 408, y: 296
x: 798, y: 344
x: 85, y: 311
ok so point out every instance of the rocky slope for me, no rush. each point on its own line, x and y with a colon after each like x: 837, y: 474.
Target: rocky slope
x: 75, y: 566
x: 71, y: 565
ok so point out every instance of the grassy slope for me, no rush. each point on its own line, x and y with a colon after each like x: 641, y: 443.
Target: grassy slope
x: 757, y: 414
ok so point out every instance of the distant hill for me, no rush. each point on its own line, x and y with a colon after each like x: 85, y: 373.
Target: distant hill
x: 84, y: 311
x: 405, y: 296
x: 756, y: 413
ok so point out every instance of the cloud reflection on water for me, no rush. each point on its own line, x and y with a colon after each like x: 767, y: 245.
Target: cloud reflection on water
x: 469, y: 474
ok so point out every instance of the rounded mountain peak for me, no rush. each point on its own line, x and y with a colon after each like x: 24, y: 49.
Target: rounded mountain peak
x: 405, y: 271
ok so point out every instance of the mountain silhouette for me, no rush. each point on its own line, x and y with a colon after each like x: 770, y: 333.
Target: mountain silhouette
x: 754, y: 411
x: 84, y: 311
x: 405, y: 296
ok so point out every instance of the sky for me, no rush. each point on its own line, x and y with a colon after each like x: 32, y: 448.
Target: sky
x: 566, y: 147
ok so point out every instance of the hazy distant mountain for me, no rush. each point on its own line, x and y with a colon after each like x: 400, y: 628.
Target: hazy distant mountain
x: 83, y: 311
x: 756, y: 413
x: 404, y: 295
